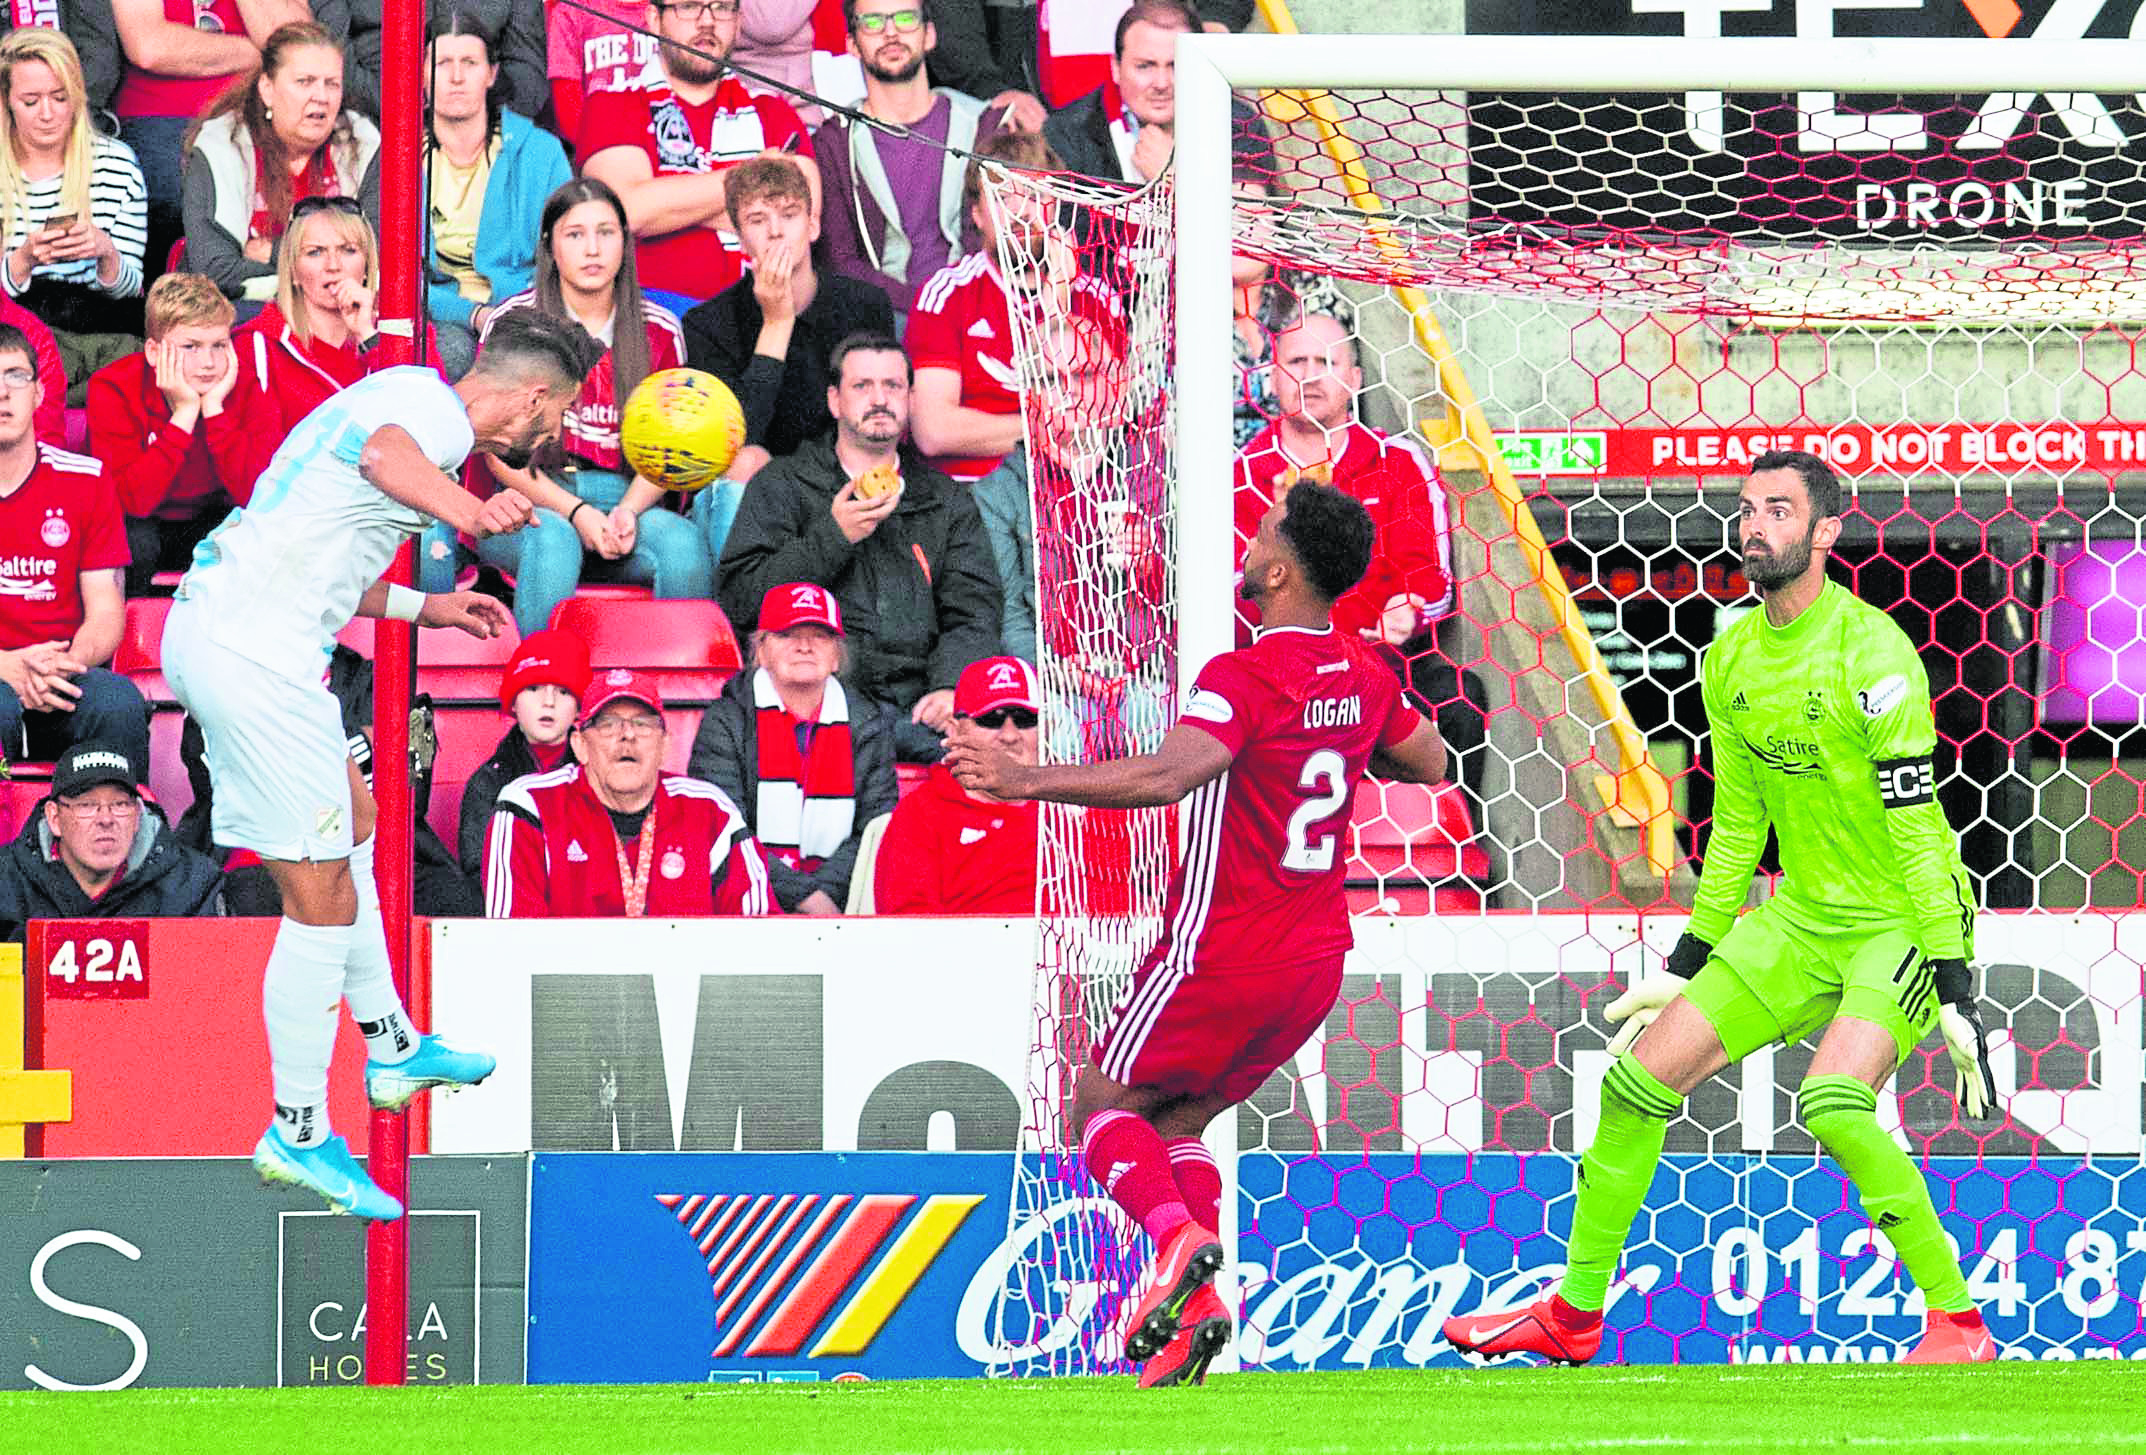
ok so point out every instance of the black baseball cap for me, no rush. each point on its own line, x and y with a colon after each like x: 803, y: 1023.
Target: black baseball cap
x: 85, y: 765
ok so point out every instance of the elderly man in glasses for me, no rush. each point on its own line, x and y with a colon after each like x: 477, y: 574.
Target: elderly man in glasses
x: 63, y: 557
x: 96, y: 850
x: 948, y: 850
x: 665, y: 146
x: 612, y: 834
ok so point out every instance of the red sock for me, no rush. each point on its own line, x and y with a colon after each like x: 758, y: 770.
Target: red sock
x: 1126, y: 1157
x: 1199, y: 1181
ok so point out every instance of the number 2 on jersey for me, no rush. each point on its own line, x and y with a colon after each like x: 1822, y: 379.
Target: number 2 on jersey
x: 1323, y: 777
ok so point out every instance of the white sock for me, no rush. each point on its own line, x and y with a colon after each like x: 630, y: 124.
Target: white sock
x: 299, y: 991
x: 368, y: 980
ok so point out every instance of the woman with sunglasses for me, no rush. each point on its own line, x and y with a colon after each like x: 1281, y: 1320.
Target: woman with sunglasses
x: 277, y: 137
x: 320, y: 333
x: 595, y: 519
x: 781, y: 742
x: 73, y: 206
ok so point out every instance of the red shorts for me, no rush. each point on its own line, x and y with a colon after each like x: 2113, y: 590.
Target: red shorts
x: 1207, y: 1033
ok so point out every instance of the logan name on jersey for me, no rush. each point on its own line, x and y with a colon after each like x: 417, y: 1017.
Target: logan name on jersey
x: 1326, y: 712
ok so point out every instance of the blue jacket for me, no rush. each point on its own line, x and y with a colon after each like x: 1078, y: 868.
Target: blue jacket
x: 531, y: 166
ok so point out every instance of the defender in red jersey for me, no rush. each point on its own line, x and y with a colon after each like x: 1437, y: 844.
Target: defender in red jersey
x: 1272, y: 743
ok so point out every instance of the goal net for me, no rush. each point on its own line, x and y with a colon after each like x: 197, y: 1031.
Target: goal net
x: 1559, y: 322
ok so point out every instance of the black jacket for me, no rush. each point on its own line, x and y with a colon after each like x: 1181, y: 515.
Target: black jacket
x: 519, y: 50
x: 785, y: 400
x: 164, y: 879
x: 1080, y: 133
x: 509, y: 761
x: 726, y: 752
x: 920, y: 595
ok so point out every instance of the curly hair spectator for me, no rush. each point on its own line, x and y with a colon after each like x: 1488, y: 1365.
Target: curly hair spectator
x: 770, y: 334
x: 782, y: 743
x: 595, y: 520
x: 277, y: 137
x: 898, y: 543
x: 489, y: 171
x: 516, y: 28
x: 63, y: 556
x: 73, y: 209
x: 180, y: 56
x: 159, y: 420
x: 650, y: 843
x: 950, y: 851
x: 667, y: 147
x: 542, y: 689
x: 97, y: 849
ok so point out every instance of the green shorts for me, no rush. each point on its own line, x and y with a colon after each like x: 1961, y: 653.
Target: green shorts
x: 1802, y: 979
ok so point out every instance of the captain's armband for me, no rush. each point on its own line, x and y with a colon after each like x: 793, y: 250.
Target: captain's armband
x: 1905, y: 782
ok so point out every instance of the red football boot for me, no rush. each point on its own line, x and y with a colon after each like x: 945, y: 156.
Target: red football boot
x: 1203, y: 1334
x: 1549, y: 1327
x: 1953, y: 1339
x: 1187, y: 1263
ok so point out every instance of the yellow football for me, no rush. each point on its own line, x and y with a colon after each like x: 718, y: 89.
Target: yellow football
x: 681, y: 428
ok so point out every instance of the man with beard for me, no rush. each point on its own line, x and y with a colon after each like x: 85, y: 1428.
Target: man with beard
x: 895, y: 211
x: 906, y: 557
x: 1819, y: 713
x: 665, y: 146
x: 244, y: 649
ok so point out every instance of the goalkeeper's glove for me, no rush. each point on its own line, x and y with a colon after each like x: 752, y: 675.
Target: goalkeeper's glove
x: 1644, y: 999
x: 1974, y: 1086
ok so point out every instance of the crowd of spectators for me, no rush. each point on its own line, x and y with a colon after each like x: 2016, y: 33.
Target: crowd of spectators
x: 189, y: 202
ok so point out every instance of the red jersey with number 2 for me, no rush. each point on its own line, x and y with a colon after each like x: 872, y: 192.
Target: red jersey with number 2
x: 1260, y: 883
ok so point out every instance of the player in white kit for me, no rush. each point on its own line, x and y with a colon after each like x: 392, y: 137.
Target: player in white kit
x: 246, y: 650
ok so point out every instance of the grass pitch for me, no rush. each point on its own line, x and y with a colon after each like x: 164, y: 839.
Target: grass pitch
x: 2012, y: 1406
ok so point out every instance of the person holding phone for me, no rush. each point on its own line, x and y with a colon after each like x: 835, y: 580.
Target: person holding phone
x: 73, y: 209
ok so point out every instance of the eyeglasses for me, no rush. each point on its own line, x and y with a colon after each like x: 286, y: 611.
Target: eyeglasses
x: 898, y: 19
x: 998, y: 717
x: 347, y: 205
x: 703, y: 9
x: 609, y: 726
x: 14, y: 379
x: 89, y: 812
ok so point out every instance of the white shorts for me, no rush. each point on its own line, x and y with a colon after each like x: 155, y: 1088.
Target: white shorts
x: 278, y: 759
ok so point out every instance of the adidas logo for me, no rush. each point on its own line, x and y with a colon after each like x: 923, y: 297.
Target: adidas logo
x: 1737, y: 703
x: 1117, y: 1170
x: 982, y: 329
x: 1890, y: 1219
x: 575, y: 854
x: 970, y: 836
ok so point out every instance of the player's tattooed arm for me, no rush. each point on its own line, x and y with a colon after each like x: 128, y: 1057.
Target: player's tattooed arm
x: 1188, y: 757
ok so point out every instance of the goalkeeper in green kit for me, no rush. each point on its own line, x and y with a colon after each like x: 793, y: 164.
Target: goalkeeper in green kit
x: 1820, y: 717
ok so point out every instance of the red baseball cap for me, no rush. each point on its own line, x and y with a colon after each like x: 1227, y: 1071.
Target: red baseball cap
x: 799, y: 603
x: 547, y: 658
x: 620, y: 684
x: 997, y: 682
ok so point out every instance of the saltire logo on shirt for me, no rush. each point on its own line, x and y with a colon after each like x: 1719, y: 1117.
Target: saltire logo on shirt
x: 780, y: 1263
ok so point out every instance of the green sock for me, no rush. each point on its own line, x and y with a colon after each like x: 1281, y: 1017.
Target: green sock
x: 1842, y: 1114
x: 1614, y: 1176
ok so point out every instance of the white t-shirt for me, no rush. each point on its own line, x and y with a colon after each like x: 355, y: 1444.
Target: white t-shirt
x: 283, y: 574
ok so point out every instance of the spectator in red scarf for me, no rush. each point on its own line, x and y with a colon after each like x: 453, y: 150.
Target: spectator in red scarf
x: 782, y: 744
x: 950, y: 851
x: 277, y: 137
x: 542, y: 687
x: 611, y: 834
x: 158, y: 419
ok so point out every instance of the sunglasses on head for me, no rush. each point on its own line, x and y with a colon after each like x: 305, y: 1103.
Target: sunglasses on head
x: 312, y: 205
x: 998, y: 717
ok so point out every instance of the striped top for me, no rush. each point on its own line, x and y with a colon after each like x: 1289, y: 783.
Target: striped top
x: 118, y: 204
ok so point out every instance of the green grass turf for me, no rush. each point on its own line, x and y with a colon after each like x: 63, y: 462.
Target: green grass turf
x: 2009, y: 1406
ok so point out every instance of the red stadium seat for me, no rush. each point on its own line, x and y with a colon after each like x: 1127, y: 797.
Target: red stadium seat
x: 20, y: 792
x: 1413, y: 849
x: 456, y: 667
x: 140, y: 654
x: 687, y: 646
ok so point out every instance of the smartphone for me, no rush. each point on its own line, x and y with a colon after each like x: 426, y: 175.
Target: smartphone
x: 58, y: 222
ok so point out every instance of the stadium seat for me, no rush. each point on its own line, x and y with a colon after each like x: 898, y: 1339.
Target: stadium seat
x: 454, y: 666
x: 860, y: 879
x: 20, y: 792
x: 139, y: 655
x: 687, y: 646
x: 1413, y: 850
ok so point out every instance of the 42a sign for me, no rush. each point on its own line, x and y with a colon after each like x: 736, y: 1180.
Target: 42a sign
x: 104, y: 960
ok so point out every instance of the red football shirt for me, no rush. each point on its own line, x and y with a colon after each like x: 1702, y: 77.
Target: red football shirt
x: 963, y: 321
x: 680, y: 140
x: 1260, y: 883
x: 62, y: 521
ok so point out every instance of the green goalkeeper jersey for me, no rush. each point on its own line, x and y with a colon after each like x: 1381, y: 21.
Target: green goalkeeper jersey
x: 1822, y: 730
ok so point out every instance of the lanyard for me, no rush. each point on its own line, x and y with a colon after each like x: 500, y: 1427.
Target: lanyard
x: 635, y: 881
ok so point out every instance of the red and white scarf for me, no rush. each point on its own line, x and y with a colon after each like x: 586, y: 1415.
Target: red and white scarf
x: 806, y: 807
